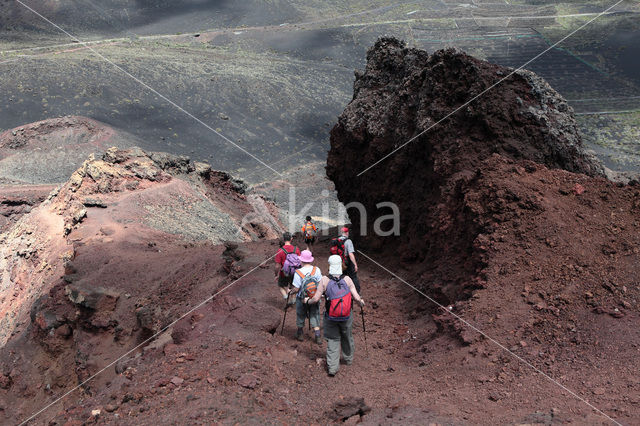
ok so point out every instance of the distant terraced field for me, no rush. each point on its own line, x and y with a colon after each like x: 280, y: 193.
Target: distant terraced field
x: 273, y: 76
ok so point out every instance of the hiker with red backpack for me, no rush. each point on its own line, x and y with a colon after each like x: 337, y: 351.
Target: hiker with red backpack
x: 343, y: 247
x: 309, y: 232
x: 306, y: 281
x: 339, y: 291
x: 287, y: 262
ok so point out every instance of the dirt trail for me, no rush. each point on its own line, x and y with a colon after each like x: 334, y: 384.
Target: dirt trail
x: 227, y: 362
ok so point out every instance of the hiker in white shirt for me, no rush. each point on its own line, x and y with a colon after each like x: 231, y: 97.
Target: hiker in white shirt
x: 305, y: 282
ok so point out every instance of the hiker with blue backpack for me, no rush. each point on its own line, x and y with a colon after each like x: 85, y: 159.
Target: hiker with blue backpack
x: 305, y: 283
x: 287, y: 262
x: 339, y: 291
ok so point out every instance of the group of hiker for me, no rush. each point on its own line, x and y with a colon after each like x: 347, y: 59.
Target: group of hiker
x: 299, y: 279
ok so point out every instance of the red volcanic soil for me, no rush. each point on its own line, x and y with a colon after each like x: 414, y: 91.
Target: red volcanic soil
x: 558, y: 292
x: 227, y: 362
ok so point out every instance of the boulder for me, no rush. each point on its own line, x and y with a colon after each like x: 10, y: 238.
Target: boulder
x: 94, y: 298
x: 172, y: 163
x: 347, y: 408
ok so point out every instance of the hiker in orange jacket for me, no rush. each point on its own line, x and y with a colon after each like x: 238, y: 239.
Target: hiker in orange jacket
x: 309, y: 232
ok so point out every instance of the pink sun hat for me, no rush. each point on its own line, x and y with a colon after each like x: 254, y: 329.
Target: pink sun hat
x: 306, y: 256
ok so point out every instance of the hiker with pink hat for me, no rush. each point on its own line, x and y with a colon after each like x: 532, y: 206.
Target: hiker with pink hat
x: 305, y: 283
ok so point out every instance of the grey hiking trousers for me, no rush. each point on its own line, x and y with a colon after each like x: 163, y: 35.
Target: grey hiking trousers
x: 339, y: 337
x: 303, y: 311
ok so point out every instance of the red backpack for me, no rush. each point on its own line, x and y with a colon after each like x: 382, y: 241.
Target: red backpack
x: 337, y: 247
x: 338, y: 305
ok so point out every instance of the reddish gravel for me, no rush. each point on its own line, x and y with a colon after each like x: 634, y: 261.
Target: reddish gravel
x: 222, y: 362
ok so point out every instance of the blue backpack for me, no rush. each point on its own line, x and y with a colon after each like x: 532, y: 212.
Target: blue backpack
x: 309, y: 284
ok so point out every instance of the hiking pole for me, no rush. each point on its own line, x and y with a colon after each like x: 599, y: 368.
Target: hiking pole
x: 364, y: 330
x: 286, y: 306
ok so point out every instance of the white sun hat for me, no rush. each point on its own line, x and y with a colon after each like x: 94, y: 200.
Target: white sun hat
x: 335, y: 265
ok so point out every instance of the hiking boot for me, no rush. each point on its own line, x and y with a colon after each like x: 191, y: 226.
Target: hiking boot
x: 317, y: 340
x: 299, y: 335
x: 331, y: 373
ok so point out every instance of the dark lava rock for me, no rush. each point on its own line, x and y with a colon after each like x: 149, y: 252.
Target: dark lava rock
x: 219, y: 177
x: 114, y: 155
x: 248, y: 381
x: 94, y: 202
x: 172, y: 163
x: 43, y: 316
x: 150, y: 318
x: 5, y: 381
x: 404, y: 91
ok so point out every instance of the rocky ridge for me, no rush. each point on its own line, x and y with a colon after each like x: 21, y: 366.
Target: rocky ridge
x: 114, y: 195
x: 403, y: 91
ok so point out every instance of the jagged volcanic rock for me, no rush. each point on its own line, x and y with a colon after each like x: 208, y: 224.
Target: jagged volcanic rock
x: 112, y: 256
x: 126, y: 192
x: 504, y: 218
x: 404, y: 91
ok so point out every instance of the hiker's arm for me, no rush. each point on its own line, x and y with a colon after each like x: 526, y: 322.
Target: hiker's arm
x: 295, y: 283
x: 277, y: 270
x: 353, y: 290
x: 353, y: 260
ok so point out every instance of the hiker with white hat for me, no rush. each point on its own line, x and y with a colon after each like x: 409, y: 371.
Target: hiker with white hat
x: 339, y: 291
x: 305, y: 282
